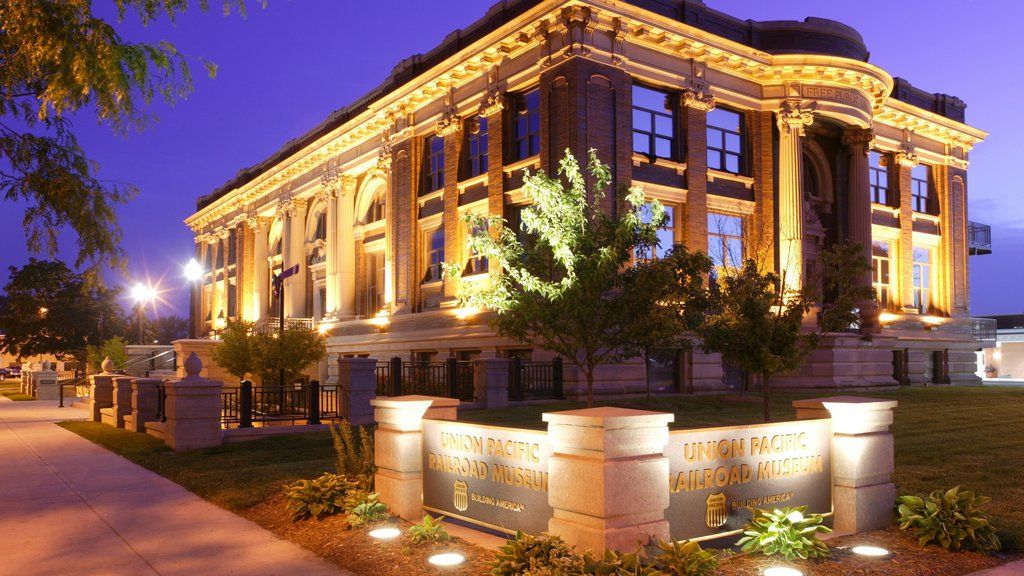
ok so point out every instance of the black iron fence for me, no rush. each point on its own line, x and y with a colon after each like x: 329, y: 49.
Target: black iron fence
x: 535, y: 380
x: 449, y: 379
x: 307, y: 403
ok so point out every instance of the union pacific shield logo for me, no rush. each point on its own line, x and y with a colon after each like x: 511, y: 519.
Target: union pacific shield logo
x: 717, y: 513
x: 461, y: 498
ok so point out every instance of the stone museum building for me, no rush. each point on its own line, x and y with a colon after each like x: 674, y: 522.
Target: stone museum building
x: 768, y: 140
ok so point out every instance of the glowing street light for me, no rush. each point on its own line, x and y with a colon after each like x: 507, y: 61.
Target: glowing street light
x: 193, y: 273
x: 193, y: 270
x: 142, y: 294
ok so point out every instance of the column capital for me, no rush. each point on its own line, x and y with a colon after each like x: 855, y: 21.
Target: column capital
x: 450, y: 122
x: 697, y: 98
x: 908, y: 158
x: 256, y: 222
x: 384, y: 153
x: 494, y: 98
x: 348, y: 184
x: 793, y: 116
x: 860, y: 140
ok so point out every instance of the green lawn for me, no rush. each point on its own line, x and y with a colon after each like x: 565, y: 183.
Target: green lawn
x: 12, y: 390
x: 945, y: 436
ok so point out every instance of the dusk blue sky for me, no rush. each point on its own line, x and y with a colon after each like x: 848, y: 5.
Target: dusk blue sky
x: 285, y: 68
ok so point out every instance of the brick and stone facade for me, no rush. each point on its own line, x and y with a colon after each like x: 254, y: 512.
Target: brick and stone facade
x: 780, y: 132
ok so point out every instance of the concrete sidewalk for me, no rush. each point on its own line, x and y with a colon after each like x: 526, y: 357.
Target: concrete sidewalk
x: 68, y: 506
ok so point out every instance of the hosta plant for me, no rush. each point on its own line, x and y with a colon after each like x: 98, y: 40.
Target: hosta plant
x: 787, y: 532
x: 685, y: 558
x: 364, y: 508
x: 952, y: 519
x: 544, y: 555
x: 317, y: 498
x: 430, y: 529
x: 618, y: 564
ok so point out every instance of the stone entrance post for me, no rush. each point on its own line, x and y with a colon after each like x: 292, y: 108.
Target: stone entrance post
x: 144, y: 400
x: 193, y: 409
x: 101, y: 390
x: 357, y: 380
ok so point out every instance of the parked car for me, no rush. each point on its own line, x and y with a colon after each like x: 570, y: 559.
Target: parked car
x: 11, y: 372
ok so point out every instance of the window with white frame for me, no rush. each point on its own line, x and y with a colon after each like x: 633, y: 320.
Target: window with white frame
x: 919, y: 193
x: 725, y: 240
x: 654, y: 123
x: 922, y: 279
x: 725, y: 140
x: 881, y: 266
x: 878, y: 174
x: 433, y: 256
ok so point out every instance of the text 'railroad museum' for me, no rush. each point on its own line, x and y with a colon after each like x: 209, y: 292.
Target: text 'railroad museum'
x: 754, y: 135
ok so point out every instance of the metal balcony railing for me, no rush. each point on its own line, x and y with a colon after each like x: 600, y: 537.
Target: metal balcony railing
x: 270, y: 324
x: 984, y: 329
x: 979, y: 239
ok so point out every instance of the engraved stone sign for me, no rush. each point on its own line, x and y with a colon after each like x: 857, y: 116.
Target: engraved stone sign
x: 490, y: 476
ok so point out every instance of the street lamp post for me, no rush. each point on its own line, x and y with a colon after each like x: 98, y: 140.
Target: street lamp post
x: 142, y: 294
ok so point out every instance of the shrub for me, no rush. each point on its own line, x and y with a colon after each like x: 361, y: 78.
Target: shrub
x: 952, y: 519
x: 685, y: 558
x: 429, y: 530
x: 317, y: 498
x: 364, y: 508
x: 618, y: 564
x: 787, y: 532
x: 544, y: 555
x: 354, y: 458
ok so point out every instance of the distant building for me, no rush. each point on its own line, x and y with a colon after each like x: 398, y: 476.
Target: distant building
x: 773, y: 139
x: 1004, y: 356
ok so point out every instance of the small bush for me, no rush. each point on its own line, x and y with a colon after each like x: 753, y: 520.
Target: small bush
x: 354, y: 457
x: 429, y: 530
x: 685, y: 558
x: 786, y: 532
x: 952, y: 519
x: 364, y: 508
x: 544, y: 555
x: 618, y: 564
x: 317, y: 498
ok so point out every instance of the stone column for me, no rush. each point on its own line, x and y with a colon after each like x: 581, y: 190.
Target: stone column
x: 261, y: 270
x: 144, y: 404
x: 862, y: 459
x: 346, y: 249
x: 357, y: 380
x: 398, y: 449
x: 122, y: 404
x: 329, y: 196
x: 858, y: 142
x: 449, y: 127
x: 905, y: 161
x: 696, y: 105
x: 101, y: 390
x: 223, y: 239
x: 295, y: 292
x: 792, y: 119
x: 607, y: 477
x: 492, y: 108
x: 490, y: 382
x: 193, y: 409
x: 45, y: 384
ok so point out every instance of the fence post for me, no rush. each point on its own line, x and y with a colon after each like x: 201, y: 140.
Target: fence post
x: 451, y: 376
x: 516, y: 379
x: 396, y: 376
x: 245, y: 405
x: 557, y: 382
x: 313, y: 411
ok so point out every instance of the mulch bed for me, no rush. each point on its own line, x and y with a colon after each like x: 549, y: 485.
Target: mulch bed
x: 906, y: 559
x: 354, y: 550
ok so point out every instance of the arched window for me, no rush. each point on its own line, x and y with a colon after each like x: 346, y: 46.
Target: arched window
x: 321, y: 226
x: 376, y: 211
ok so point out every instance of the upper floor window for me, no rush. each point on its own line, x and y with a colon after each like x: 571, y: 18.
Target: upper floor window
x: 653, y: 123
x: 434, y: 164
x: 373, y: 289
x: 208, y: 264
x: 725, y: 240
x: 525, y: 125
x: 919, y: 200
x: 232, y: 247
x: 922, y: 279
x: 375, y: 213
x: 477, y: 263
x: 878, y: 174
x: 880, y: 272
x: 476, y: 146
x: 725, y: 140
x: 434, y: 256
x: 219, y: 247
x: 321, y: 226
x: 665, y: 235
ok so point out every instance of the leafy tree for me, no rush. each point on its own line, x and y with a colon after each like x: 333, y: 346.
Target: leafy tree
x: 843, y: 266
x: 235, y: 352
x: 113, y: 348
x: 50, y: 309
x: 757, y: 326
x: 166, y: 329
x: 292, y: 351
x: 559, y: 289
x: 59, y: 58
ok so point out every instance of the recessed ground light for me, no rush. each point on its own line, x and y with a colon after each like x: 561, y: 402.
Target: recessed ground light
x: 447, y: 559
x: 869, y: 551
x: 385, y: 533
x: 782, y: 571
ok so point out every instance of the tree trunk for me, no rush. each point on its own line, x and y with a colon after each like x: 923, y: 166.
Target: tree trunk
x: 647, y: 375
x: 590, y: 386
x: 766, y: 392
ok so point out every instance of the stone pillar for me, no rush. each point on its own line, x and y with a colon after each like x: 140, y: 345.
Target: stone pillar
x: 449, y: 127
x: 696, y: 105
x: 260, y: 269
x: 862, y: 459
x: 905, y: 161
x: 329, y: 196
x: 490, y: 382
x: 792, y: 119
x: 45, y: 384
x: 101, y: 390
x: 144, y: 404
x: 607, y: 477
x: 357, y: 379
x: 346, y: 249
x: 398, y: 449
x: 122, y: 402
x: 193, y: 409
x: 858, y: 142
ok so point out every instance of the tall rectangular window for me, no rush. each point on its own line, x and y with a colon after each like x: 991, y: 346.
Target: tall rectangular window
x: 373, y: 292
x: 477, y: 264
x: 653, y: 123
x: 878, y: 175
x: 525, y: 125
x: 435, y: 164
x: 919, y: 200
x: 232, y: 246
x: 725, y: 140
x: 434, y: 256
x: 725, y: 240
x: 476, y: 146
x: 232, y: 299
x: 880, y: 272
x: 666, y: 234
x: 922, y: 280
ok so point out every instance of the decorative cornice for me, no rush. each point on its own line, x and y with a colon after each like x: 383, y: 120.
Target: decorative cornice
x: 494, y: 98
x: 619, y: 32
x: 450, y: 122
x: 859, y: 139
x: 907, y: 155
x: 384, y: 153
x: 696, y: 98
x: 792, y: 116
